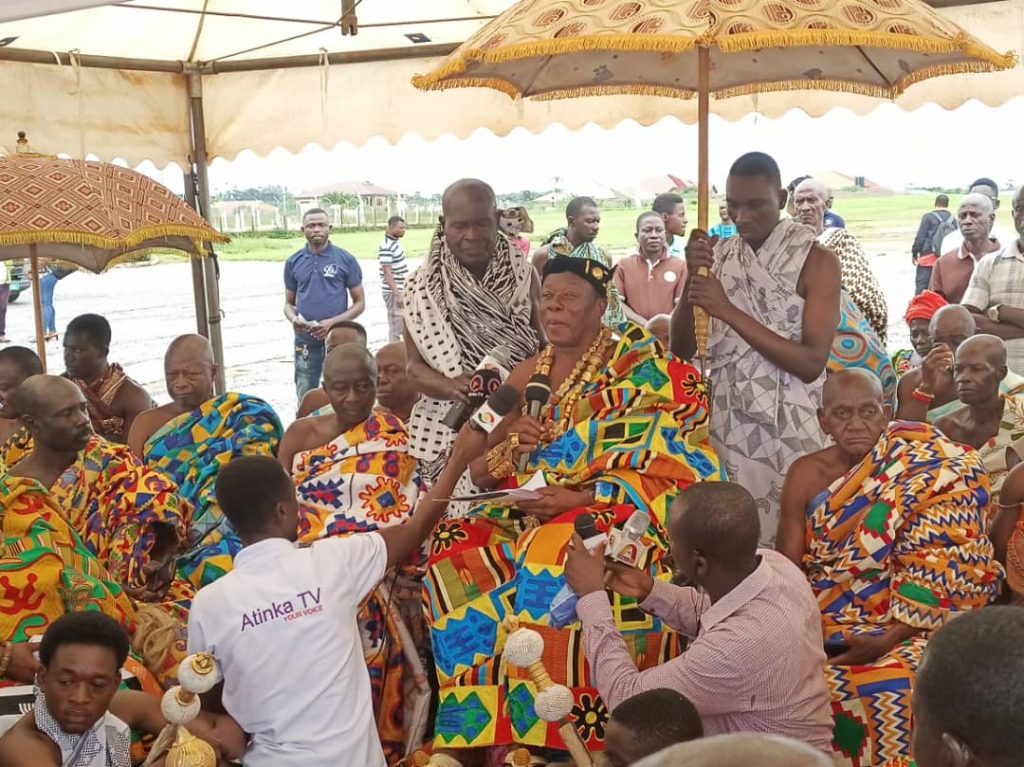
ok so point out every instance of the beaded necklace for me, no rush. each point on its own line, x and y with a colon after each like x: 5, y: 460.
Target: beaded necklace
x: 582, y: 373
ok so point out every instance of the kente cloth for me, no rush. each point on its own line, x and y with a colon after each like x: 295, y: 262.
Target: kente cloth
x: 107, y: 744
x: 904, y: 360
x: 900, y: 537
x: 115, y: 502
x: 190, y: 449
x: 365, y: 480
x: 858, y: 279
x: 1009, y: 384
x: 17, y: 446
x: 455, y: 320
x: 856, y: 346
x: 638, y: 435
x: 45, y: 569
x: 558, y: 244
x: 360, y: 481
x: 763, y: 417
x: 99, y: 397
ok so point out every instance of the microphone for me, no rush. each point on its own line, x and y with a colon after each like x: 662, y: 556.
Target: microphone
x: 493, y: 370
x: 625, y: 546
x: 537, y: 394
x: 563, y: 605
x: 498, y: 405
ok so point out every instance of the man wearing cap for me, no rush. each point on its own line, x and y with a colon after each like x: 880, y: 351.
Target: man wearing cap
x: 626, y: 432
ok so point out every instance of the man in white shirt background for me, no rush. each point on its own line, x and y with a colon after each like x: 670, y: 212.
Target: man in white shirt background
x: 282, y: 624
x: 990, y: 189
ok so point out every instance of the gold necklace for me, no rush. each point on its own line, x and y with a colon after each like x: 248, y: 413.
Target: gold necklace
x: 583, y: 372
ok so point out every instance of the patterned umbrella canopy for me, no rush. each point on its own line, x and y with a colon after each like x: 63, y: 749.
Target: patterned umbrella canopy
x: 91, y: 213
x: 553, y: 49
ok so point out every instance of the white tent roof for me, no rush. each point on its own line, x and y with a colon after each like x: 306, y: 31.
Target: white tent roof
x: 111, y: 109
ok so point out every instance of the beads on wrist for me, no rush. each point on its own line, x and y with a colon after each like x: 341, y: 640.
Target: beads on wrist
x: 922, y: 396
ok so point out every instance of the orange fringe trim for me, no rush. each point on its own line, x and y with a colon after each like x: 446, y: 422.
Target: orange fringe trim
x: 133, y: 241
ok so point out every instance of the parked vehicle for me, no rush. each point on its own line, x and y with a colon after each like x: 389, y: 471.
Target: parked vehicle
x: 17, y: 278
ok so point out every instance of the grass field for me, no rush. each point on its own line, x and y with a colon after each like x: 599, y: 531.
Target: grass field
x: 888, y: 222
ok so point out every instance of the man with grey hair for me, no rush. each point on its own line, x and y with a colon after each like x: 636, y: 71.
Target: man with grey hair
x: 811, y: 200
x: 739, y: 750
x: 952, y: 272
x: 996, y: 293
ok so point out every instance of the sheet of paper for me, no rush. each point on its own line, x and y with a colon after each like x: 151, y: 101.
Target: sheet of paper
x: 527, y: 492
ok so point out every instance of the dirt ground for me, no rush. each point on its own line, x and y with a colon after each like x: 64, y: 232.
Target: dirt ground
x: 148, y: 306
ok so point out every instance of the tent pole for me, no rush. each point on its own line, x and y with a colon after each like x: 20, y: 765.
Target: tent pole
x: 198, y: 281
x: 198, y: 136
x: 37, y: 303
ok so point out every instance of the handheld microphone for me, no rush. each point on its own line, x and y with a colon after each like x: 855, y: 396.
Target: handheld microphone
x: 563, y: 605
x: 537, y: 394
x: 486, y: 379
x: 498, y: 405
x: 625, y: 546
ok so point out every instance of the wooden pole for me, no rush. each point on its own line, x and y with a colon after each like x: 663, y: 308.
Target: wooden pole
x: 701, y: 321
x: 37, y: 303
x: 212, y: 290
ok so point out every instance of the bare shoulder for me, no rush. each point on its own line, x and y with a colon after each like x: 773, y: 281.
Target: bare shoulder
x: 820, y: 274
x: 24, y: 746
x: 521, y: 373
x: 146, y: 424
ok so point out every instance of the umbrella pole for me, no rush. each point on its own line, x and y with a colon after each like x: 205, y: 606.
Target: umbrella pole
x: 212, y: 291
x: 700, y: 318
x: 37, y: 303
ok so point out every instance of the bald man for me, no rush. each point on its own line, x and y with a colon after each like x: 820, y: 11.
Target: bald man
x: 811, y: 199
x: 863, y: 517
x: 754, y: 661
x: 989, y: 421
x: 130, y: 517
x: 740, y: 750
x: 190, y: 438
x: 394, y: 391
x: 353, y: 474
x: 952, y: 272
x: 345, y: 332
x: 660, y: 326
x: 473, y: 293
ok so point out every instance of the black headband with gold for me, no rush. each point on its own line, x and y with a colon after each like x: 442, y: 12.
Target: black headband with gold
x: 594, y: 272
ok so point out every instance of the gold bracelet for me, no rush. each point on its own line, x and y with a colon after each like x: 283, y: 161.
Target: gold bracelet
x: 498, y: 464
x: 5, y: 660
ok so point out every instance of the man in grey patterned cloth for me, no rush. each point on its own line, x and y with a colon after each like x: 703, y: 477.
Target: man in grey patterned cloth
x: 773, y: 295
x: 474, y: 293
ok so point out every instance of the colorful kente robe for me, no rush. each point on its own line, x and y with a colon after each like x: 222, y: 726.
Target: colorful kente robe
x: 45, y: 569
x: 901, y: 537
x: 638, y: 435
x: 904, y: 360
x: 115, y: 503
x: 191, y: 449
x: 857, y: 346
x: 365, y: 480
x: 17, y: 446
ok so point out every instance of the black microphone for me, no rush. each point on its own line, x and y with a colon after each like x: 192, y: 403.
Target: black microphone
x: 486, y: 379
x: 498, y: 405
x: 538, y: 392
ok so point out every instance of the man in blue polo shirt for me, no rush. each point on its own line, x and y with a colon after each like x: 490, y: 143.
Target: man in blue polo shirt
x: 317, y: 283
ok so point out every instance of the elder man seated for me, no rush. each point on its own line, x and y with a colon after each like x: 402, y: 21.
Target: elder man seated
x: 625, y: 429
x: 889, y: 525
x: 191, y: 438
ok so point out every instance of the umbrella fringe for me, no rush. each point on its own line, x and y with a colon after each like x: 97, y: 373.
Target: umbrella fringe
x: 462, y: 60
x: 129, y: 242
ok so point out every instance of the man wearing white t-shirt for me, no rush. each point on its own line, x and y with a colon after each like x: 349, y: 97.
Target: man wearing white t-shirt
x: 282, y: 624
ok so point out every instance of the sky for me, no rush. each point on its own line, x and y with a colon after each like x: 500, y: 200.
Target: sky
x: 927, y: 147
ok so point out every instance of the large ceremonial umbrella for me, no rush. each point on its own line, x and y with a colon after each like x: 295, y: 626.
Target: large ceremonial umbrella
x: 555, y: 49
x: 92, y: 214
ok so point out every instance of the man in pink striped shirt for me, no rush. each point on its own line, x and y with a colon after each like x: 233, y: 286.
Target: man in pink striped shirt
x: 755, y: 662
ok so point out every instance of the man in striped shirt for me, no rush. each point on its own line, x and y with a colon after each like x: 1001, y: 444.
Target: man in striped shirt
x: 393, y: 271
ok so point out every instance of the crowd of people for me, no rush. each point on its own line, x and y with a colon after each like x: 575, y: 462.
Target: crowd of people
x: 812, y: 513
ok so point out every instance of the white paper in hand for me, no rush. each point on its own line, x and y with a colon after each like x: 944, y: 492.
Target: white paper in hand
x: 527, y: 492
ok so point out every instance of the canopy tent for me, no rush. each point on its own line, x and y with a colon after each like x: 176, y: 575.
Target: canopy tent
x: 125, y: 93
